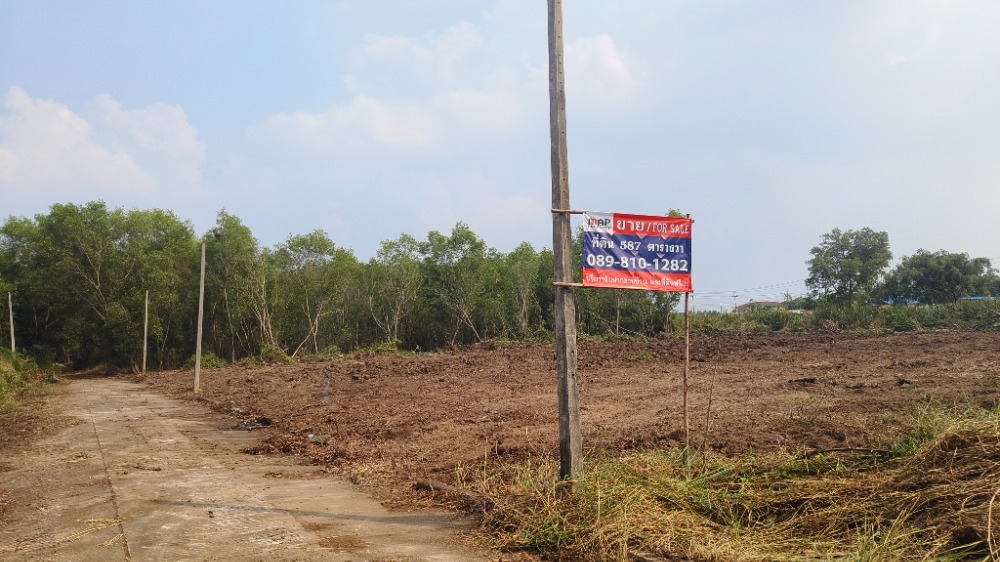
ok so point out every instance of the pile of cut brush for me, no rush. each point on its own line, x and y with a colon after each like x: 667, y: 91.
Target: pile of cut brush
x: 933, y: 494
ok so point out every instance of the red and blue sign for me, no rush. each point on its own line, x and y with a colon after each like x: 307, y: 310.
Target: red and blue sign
x: 650, y: 253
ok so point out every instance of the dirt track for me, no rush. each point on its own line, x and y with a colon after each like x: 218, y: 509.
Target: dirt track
x: 387, y: 421
x: 136, y: 476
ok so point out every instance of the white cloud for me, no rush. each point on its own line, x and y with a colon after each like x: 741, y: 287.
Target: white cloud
x: 597, y: 71
x: 895, y: 58
x: 50, y: 153
x: 501, y: 214
x: 9, y: 161
x: 446, y: 86
x: 497, y: 104
x: 160, y: 129
x: 483, y: 109
x: 352, y: 125
x: 443, y: 85
x: 434, y: 55
x: 47, y: 148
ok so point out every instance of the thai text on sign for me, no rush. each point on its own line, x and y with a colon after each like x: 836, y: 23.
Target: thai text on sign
x: 623, y: 251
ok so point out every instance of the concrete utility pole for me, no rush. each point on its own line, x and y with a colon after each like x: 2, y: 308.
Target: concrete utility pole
x: 145, y: 333
x: 570, y: 440
x: 201, y: 316
x: 10, y: 311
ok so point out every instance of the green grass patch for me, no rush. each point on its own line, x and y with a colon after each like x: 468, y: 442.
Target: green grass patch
x: 930, y: 496
x: 19, y: 376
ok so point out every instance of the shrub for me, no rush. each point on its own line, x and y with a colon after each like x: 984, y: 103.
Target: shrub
x: 18, y: 375
x: 209, y: 360
x: 273, y: 354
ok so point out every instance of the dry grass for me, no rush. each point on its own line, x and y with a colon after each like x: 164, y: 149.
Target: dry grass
x: 934, y: 496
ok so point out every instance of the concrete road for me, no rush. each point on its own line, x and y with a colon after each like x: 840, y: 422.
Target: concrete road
x: 141, y: 477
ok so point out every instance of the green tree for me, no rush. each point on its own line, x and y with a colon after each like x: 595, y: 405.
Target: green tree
x: 938, y: 277
x: 457, y: 276
x: 38, y: 298
x: 82, y: 271
x: 847, y: 265
x: 798, y: 303
x: 167, y: 254
x: 520, y: 270
x: 394, y: 281
x: 312, y: 279
x: 237, y: 309
x: 993, y: 285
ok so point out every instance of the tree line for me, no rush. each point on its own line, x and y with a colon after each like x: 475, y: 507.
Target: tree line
x: 852, y: 266
x: 79, y: 275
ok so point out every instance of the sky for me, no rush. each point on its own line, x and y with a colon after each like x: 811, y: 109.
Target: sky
x: 770, y: 122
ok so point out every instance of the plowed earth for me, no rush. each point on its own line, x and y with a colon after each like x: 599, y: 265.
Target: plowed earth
x: 387, y: 421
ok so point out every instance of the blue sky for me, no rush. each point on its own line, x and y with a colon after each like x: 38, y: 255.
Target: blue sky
x: 771, y: 122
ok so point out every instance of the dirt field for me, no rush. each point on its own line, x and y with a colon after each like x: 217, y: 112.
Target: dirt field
x: 388, y: 421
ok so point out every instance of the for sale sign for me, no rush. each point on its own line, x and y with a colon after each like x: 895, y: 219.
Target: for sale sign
x: 637, y: 252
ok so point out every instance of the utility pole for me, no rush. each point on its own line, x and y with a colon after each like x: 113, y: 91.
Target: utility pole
x: 201, y: 316
x: 570, y: 440
x: 10, y: 311
x: 145, y: 333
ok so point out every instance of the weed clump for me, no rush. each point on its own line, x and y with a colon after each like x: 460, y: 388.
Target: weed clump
x: 19, y: 375
x: 931, y: 496
x: 209, y: 360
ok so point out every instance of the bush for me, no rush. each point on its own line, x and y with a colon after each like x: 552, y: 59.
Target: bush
x: 722, y: 323
x: 19, y: 374
x: 846, y: 316
x: 272, y: 354
x: 777, y: 319
x: 209, y: 360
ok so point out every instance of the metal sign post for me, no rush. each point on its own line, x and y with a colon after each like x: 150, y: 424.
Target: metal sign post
x: 687, y: 369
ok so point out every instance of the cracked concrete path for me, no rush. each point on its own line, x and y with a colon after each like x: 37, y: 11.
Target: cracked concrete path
x: 138, y: 476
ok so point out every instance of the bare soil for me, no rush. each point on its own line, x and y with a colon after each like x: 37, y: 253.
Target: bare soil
x: 388, y: 421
